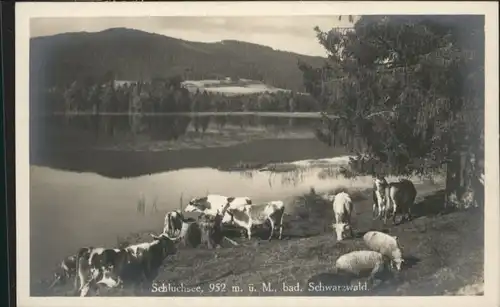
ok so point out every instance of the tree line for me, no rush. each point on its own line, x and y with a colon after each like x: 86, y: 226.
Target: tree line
x: 164, y: 96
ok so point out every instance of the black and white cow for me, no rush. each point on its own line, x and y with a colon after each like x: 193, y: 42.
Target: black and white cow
x: 114, y: 267
x: 250, y: 215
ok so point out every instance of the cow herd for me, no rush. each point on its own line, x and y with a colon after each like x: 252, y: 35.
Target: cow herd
x: 139, y: 264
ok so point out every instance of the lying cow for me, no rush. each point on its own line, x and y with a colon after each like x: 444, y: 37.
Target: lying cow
x: 342, y: 210
x: 250, y: 215
x: 400, y: 199
x: 213, y: 204
x: 114, y: 267
x: 92, y: 261
x: 380, y: 191
x: 65, y: 270
x: 211, y: 230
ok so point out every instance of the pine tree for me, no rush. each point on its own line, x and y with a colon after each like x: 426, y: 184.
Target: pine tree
x: 408, y: 91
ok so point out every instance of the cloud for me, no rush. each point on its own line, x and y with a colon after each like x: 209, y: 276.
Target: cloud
x: 289, y: 33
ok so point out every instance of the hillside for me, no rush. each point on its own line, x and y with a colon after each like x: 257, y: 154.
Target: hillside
x: 136, y: 55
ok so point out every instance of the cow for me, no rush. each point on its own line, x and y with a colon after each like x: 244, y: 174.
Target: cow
x: 380, y: 190
x: 115, y: 267
x: 400, y: 199
x: 211, y: 230
x: 173, y: 222
x: 342, y: 210
x: 213, y: 204
x: 65, y: 270
x: 250, y: 215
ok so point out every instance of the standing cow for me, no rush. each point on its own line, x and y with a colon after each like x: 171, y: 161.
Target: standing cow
x: 342, y: 210
x: 400, y: 199
x: 380, y: 191
x: 253, y: 215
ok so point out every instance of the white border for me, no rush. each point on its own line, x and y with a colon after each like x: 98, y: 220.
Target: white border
x: 25, y: 11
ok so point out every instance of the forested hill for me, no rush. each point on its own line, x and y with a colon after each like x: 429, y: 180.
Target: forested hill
x: 129, y: 54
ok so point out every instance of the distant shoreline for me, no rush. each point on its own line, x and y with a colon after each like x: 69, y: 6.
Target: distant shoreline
x: 267, y: 114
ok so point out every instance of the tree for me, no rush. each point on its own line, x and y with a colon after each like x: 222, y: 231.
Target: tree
x: 409, y: 92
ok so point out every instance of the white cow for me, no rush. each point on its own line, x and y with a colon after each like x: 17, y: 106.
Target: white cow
x: 250, y: 215
x: 380, y: 191
x: 342, y: 209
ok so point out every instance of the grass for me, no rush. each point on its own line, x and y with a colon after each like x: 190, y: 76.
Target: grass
x: 444, y: 253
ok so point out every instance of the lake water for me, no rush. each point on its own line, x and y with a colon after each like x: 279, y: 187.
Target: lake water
x: 87, y: 172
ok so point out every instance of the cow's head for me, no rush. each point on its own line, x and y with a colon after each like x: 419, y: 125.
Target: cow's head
x: 168, y: 244
x: 397, y: 263
x: 197, y: 204
x: 174, y: 222
x: 341, y: 229
x: 109, y: 278
x: 397, y: 257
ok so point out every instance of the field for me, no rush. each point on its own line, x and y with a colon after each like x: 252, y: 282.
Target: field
x: 443, y: 252
x: 227, y: 87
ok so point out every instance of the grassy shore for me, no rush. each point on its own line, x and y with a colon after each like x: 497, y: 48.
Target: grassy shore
x: 443, y: 252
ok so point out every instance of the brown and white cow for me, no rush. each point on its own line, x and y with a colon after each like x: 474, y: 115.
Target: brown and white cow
x: 250, y: 215
x: 213, y: 204
x: 115, y: 267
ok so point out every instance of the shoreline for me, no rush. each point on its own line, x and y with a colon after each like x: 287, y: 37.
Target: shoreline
x: 193, y: 114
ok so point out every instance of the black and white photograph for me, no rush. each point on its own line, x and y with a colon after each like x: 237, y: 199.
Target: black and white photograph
x: 257, y: 150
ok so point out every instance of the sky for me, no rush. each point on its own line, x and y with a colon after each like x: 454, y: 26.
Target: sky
x: 287, y: 33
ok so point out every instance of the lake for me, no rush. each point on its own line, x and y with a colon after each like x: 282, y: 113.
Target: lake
x: 87, y: 172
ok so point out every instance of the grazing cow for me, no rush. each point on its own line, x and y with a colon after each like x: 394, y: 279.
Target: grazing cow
x: 342, y: 210
x: 251, y: 215
x: 213, y: 204
x: 401, y: 197
x: 380, y: 190
x: 66, y: 270
x: 173, y: 222
x: 114, y: 267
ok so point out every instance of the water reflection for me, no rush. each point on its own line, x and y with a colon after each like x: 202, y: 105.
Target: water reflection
x: 168, y: 127
x: 137, y: 144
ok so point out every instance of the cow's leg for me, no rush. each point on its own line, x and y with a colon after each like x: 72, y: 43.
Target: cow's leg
x: 376, y: 270
x: 272, y: 228
x: 249, y: 231
x: 281, y: 224
x: 379, y: 204
x: 394, y: 210
x: 409, y: 212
